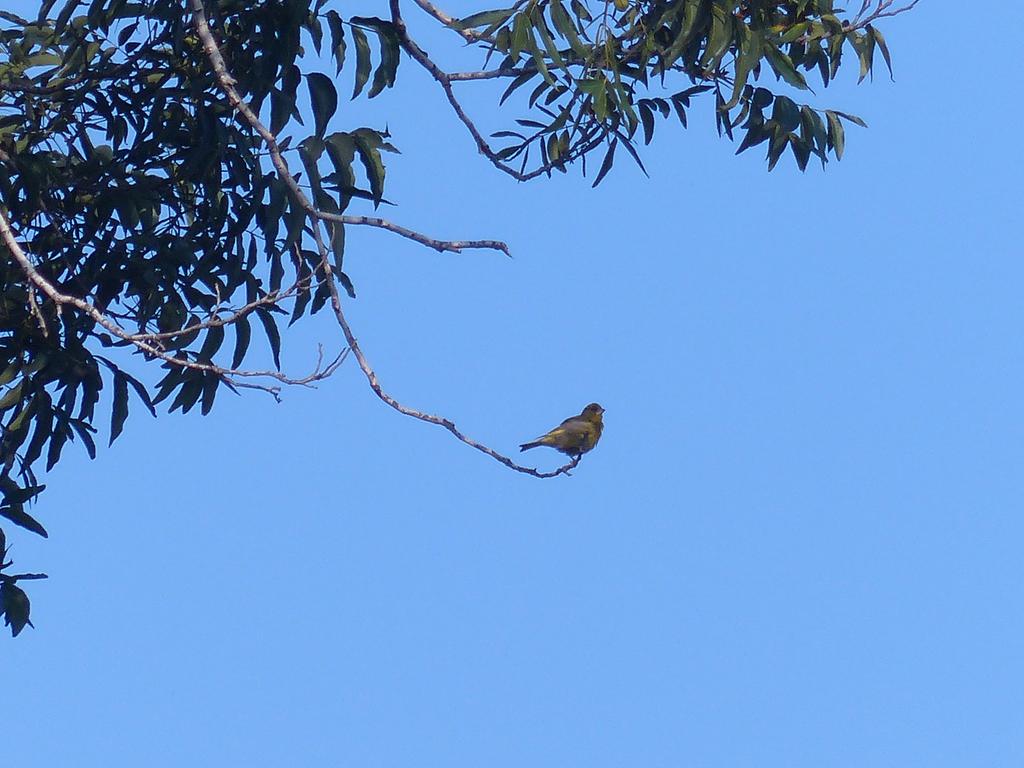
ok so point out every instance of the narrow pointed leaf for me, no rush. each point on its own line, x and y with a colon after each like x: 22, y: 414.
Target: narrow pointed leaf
x: 362, y: 60
x: 119, y: 410
x: 606, y: 164
x: 16, y: 514
x: 324, y: 98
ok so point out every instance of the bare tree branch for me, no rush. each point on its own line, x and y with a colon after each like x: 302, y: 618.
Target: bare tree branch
x: 226, y: 83
x: 455, y: 246
x: 882, y: 9
x: 22, y: 577
x: 469, y: 35
x: 486, y: 74
x: 865, y: 16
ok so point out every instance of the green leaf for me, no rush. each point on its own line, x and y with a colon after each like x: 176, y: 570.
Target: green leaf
x: 795, y: 32
x: 119, y: 410
x: 518, y: 81
x: 141, y: 391
x: 43, y: 419
x: 273, y: 334
x: 762, y: 98
x: 814, y: 127
x: 346, y: 284
x: 836, y: 133
x: 852, y: 118
x: 784, y: 68
x: 12, y: 396
x: 721, y: 36
x: 243, y: 334
x: 647, y: 120
x: 801, y: 151
x: 538, y: 59
x: 362, y: 60
x: 15, y: 606
x: 84, y: 431
x: 786, y: 113
x: 368, y: 144
x: 520, y: 35
x: 880, y: 40
x: 294, y: 222
x: 549, y: 43
x: 15, y: 494
x: 756, y: 134
x: 606, y: 164
x: 337, y: 242
x: 567, y: 29
x: 212, y: 343
x: 341, y: 149
x: 10, y: 372
x: 389, y: 51
x: 864, y: 45
x: 211, y: 382
x: 390, y: 55
x: 16, y: 514
x: 750, y: 55
x: 282, y: 102
x: 324, y: 98
x: 189, y: 393
x: 337, y: 39
x: 485, y: 19
x: 780, y: 139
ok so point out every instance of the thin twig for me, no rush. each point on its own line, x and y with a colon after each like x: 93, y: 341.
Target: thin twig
x: 883, y: 10
x: 33, y: 304
x: 469, y: 35
x: 23, y: 577
x: 455, y: 246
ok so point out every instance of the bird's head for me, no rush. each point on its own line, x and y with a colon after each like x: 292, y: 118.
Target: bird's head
x: 593, y: 411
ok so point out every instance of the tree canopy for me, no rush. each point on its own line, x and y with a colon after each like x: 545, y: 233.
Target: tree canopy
x: 174, y: 180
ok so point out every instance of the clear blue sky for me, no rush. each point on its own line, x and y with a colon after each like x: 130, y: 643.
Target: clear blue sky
x: 798, y: 544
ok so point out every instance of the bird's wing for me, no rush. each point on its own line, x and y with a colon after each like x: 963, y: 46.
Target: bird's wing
x: 576, y: 428
x: 574, y: 421
x: 558, y: 431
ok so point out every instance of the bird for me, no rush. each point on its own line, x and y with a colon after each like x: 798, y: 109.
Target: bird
x: 574, y: 436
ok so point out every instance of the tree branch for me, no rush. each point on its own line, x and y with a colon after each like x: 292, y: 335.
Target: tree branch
x: 486, y: 74
x: 226, y: 82
x: 455, y: 246
x: 271, y: 299
x: 469, y: 35
x: 882, y: 10
x: 62, y: 299
x: 445, y: 80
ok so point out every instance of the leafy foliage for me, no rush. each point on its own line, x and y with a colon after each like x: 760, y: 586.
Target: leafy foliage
x: 126, y: 174
x: 14, y: 603
x: 138, y: 191
x: 604, y: 77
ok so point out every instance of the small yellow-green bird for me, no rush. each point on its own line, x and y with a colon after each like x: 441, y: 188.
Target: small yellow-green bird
x: 574, y: 436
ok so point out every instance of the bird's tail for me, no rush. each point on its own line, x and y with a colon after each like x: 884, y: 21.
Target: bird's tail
x: 528, y: 446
